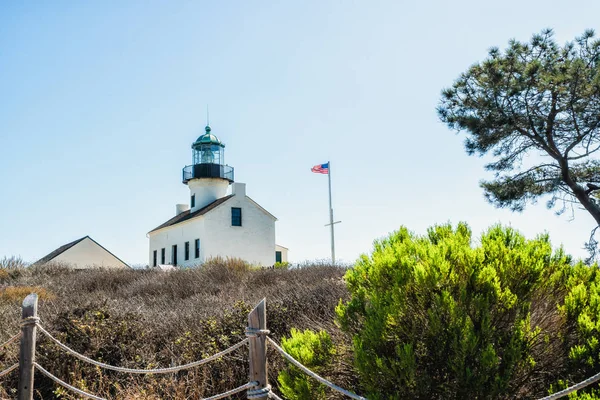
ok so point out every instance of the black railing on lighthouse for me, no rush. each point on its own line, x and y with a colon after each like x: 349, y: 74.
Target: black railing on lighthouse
x: 207, y: 171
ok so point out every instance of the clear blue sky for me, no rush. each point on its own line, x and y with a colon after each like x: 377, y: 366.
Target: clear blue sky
x: 100, y: 101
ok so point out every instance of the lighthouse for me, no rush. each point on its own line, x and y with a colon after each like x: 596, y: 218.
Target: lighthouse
x: 221, y: 220
x: 208, y: 177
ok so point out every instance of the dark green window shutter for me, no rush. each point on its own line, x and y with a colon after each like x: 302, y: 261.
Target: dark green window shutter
x: 236, y: 216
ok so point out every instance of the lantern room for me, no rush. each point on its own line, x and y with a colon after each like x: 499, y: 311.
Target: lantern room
x: 208, y: 159
x: 208, y: 149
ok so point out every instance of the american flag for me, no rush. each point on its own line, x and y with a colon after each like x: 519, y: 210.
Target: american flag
x: 321, y: 168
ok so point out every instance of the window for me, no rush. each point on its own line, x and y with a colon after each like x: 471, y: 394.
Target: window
x: 193, y: 201
x: 197, y: 248
x: 187, y: 251
x: 154, y: 258
x: 162, y: 255
x: 236, y: 216
x: 174, y: 255
x: 278, y: 256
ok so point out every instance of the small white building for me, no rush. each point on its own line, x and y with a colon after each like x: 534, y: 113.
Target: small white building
x: 83, y: 253
x: 221, y: 220
x: 281, y: 254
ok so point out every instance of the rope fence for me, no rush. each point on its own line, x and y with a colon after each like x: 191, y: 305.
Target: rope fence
x: 65, y: 384
x: 141, y: 371
x: 571, y: 389
x: 274, y: 396
x: 257, y: 337
x: 232, y: 391
x: 312, y: 374
x: 9, y: 370
x: 11, y: 340
x: 257, y: 387
x: 91, y: 396
x: 8, y: 342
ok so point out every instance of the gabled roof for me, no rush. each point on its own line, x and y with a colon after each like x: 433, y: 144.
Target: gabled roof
x: 187, y: 215
x: 262, y: 208
x: 49, y: 257
x: 58, y: 252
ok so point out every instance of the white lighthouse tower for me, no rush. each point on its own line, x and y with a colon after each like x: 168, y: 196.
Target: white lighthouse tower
x: 208, y: 177
x: 217, y: 223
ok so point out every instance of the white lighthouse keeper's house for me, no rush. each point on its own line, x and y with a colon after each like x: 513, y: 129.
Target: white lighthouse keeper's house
x: 215, y: 223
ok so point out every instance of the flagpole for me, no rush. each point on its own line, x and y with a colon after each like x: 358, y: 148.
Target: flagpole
x: 331, y: 216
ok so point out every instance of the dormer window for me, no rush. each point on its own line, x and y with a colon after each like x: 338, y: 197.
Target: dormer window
x: 236, y: 216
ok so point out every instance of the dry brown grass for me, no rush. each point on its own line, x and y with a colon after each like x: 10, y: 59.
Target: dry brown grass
x: 144, y: 319
x: 16, y: 294
x: 4, y: 274
x: 12, y: 263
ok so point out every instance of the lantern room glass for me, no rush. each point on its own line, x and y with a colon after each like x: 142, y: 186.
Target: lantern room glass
x: 208, y: 154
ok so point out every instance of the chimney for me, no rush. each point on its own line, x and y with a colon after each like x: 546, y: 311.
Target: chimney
x: 238, y: 189
x: 179, y: 208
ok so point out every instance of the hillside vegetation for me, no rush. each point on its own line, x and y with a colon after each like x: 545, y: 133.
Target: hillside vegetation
x: 437, y: 316
x: 149, y: 319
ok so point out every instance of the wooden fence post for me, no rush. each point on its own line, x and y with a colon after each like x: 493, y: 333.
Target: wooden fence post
x: 27, y: 352
x: 257, y: 320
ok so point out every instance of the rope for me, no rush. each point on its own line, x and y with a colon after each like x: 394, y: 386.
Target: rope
x: 274, y: 396
x: 573, y: 388
x: 66, y: 385
x: 30, y: 321
x: 255, y: 332
x: 312, y: 374
x: 232, y: 391
x: 258, y: 393
x: 91, y: 396
x: 9, y: 341
x: 9, y: 370
x: 142, y: 371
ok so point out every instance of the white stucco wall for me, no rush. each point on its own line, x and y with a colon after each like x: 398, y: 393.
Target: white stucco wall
x: 87, y: 254
x: 254, y: 241
x: 207, y: 190
x: 187, y: 231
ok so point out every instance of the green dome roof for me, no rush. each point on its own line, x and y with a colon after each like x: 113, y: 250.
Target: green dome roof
x: 207, y: 138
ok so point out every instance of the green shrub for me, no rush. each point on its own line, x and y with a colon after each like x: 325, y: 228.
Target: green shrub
x: 314, y: 350
x: 281, y: 265
x: 581, y: 309
x: 435, y: 317
x: 593, y: 395
x: 586, y: 394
